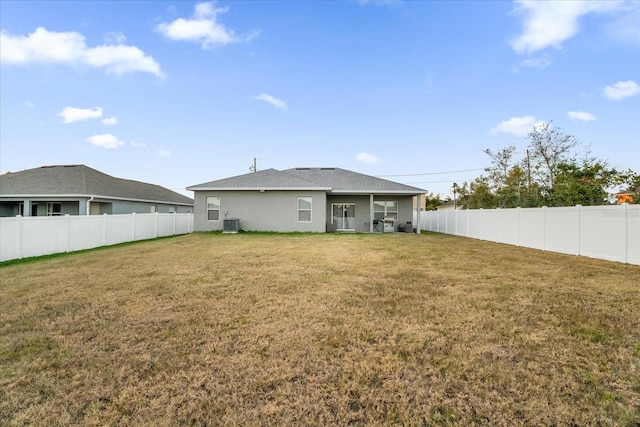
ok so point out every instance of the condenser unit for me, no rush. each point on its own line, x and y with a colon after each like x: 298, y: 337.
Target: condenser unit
x: 231, y: 225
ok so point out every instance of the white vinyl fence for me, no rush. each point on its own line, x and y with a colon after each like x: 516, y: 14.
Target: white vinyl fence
x: 605, y: 232
x: 22, y: 237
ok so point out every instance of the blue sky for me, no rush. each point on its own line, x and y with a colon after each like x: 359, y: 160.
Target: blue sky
x: 179, y: 93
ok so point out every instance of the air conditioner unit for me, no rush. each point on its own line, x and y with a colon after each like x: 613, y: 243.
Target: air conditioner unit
x: 231, y: 225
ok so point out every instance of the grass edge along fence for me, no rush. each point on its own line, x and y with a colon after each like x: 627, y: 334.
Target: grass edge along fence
x: 605, y: 232
x: 23, y: 237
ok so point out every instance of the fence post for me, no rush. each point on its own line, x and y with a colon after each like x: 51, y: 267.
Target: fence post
x: 544, y: 228
x: 156, y: 225
x: 455, y: 221
x: 133, y: 226
x: 20, y: 237
x: 175, y: 215
x: 625, y: 210
x: 104, y: 230
x: 518, y: 225
x: 467, y: 214
x: 66, y: 232
x: 481, y: 224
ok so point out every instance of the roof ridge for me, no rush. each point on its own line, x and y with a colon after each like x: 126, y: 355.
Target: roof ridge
x: 303, y: 179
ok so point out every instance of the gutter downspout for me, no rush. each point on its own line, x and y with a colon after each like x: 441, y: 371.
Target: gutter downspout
x: 89, y: 205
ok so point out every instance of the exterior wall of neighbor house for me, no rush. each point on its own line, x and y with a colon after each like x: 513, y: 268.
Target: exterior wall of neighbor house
x: 363, y: 208
x: 78, y: 206
x: 127, y: 207
x: 272, y: 210
x: 67, y: 206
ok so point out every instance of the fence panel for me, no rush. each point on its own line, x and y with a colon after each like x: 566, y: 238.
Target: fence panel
x: 562, y: 230
x: 509, y: 220
x: 461, y: 222
x: 531, y: 230
x: 605, y: 232
x: 22, y: 237
x: 10, y: 238
x: 43, y: 238
x: 145, y: 226
x: 84, y: 233
x: 118, y: 228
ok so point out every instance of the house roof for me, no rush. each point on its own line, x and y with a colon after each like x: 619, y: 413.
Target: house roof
x: 81, y: 180
x: 331, y: 180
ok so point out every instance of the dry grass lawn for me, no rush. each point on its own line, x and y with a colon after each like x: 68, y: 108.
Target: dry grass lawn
x: 264, y: 329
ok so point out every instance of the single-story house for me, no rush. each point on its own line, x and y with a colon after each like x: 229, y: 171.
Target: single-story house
x: 449, y: 205
x: 81, y: 190
x: 305, y: 200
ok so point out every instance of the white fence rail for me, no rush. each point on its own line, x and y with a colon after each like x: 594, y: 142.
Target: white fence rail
x: 22, y: 237
x: 605, y: 232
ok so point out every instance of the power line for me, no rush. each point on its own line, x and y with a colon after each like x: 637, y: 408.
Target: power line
x: 433, y: 173
x: 429, y: 182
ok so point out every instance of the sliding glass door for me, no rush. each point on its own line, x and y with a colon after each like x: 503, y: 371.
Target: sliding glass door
x: 344, y: 216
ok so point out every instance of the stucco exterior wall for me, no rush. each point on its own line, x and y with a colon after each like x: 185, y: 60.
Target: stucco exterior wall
x: 262, y: 211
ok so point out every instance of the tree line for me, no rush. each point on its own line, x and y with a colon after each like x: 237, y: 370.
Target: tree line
x: 550, y: 173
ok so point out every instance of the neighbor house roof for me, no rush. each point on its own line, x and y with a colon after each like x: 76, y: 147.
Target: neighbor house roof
x: 331, y: 180
x: 81, y: 180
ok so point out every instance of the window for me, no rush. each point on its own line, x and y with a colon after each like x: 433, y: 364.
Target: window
x: 213, y: 208
x: 304, y: 209
x: 54, y: 209
x: 382, y: 210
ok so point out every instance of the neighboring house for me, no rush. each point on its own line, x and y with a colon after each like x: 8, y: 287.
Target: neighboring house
x: 624, y: 197
x: 449, y: 205
x: 305, y: 199
x: 81, y: 190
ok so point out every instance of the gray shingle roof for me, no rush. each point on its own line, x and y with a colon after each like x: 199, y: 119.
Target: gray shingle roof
x: 81, y: 180
x: 264, y: 179
x: 332, y: 180
x: 346, y: 181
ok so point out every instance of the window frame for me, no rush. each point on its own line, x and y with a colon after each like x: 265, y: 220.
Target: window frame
x: 386, y: 212
x: 299, y: 210
x: 207, y: 210
x: 51, y: 209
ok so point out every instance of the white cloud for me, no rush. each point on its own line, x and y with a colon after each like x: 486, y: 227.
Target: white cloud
x: 72, y: 114
x: 115, y: 38
x: 273, y: 101
x: 581, y: 115
x: 43, y: 46
x: 541, y: 62
x: 109, y: 121
x: 625, y: 26
x: 164, y: 153
x: 550, y: 23
x: 138, y: 144
x: 202, y: 28
x: 518, y: 126
x: 367, y: 158
x: 105, y: 141
x: 29, y: 104
x: 622, y: 90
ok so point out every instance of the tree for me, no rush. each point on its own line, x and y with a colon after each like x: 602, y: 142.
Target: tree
x: 584, y: 184
x: 548, y: 147
x: 431, y: 202
x: 476, y: 195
